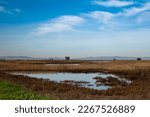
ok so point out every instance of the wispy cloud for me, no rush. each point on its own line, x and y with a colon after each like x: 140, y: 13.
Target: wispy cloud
x: 106, y: 20
x: 102, y: 16
x: 136, y: 10
x: 3, y: 2
x: 17, y: 10
x: 113, y: 3
x: 125, y: 19
x: 6, y: 10
x: 60, y: 24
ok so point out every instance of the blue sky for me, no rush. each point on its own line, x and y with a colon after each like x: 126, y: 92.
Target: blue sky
x: 76, y: 28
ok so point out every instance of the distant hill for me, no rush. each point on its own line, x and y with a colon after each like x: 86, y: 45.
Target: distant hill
x: 113, y: 57
x: 16, y: 57
x: 84, y: 58
x: 28, y: 58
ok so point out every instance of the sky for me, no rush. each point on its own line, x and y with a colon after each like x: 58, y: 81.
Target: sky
x: 75, y: 28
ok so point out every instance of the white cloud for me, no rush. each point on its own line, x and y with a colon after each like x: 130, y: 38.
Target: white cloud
x: 102, y: 16
x: 60, y: 24
x: 126, y: 12
x: 105, y: 19
x: 136, y: 10
x: 4, y: 10
x: 114, y: 3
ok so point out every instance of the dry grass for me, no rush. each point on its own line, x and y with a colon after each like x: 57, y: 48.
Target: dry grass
x: 137, y: 71
x: 83, y: 66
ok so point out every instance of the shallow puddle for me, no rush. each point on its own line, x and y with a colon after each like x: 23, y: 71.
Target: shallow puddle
x: 80, y: 79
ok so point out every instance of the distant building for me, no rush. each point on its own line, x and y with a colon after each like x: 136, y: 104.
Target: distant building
x: 139, y: 59
x: 67, y: 58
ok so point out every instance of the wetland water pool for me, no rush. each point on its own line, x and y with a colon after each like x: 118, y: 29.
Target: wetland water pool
x: 80, y: 79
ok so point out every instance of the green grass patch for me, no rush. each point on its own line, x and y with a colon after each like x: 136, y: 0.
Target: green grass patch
x: 9, y: 91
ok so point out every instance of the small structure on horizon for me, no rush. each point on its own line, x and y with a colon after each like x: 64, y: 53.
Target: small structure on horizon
x: 139, y: 59
x: 114, y: 59
x: 67, y: 58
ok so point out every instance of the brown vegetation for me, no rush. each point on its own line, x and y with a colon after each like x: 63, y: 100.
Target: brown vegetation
x: 113, y: 82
